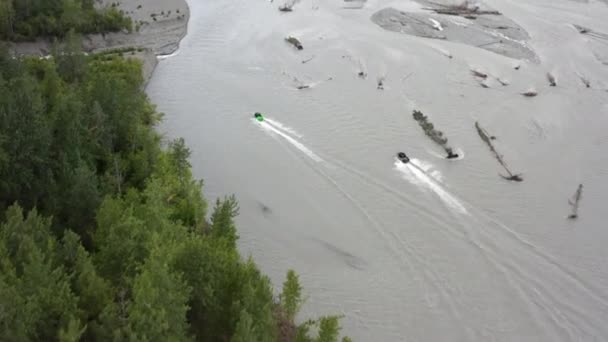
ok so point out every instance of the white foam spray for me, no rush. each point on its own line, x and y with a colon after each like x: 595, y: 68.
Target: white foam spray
x: 169, y: 55
x: 417, y: 173
x: 283, y: 127
x: 269, y: 127
x: 436, y: 25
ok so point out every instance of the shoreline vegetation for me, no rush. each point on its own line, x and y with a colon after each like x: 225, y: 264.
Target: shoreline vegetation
x: 25, y: 21
x: 156, y: 28
x: 103, y: 229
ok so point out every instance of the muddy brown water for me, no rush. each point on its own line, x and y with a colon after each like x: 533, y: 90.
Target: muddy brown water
x: 435, y: 250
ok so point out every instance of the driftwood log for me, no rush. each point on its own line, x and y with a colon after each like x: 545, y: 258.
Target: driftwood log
x: 487, y: 138
x: 295, y: 42
x: 574, y: 202
x: 435, y: 134
x: 551, y: 79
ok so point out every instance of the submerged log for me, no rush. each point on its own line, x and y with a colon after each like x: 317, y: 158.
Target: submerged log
x: 581, y: 29
x: 295, y: 42
x: 465, y: 12
x: 551, y: 79
x: 503, y: 82
x: 514, y: 178
x: 435, y: 134
x: 487, y: 138
x: 574, y: 202
x: 479, y: 74
x: 308, y: 60
x: 451, y: 154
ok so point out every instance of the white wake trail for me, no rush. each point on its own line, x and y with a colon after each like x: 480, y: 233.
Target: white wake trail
x: 269, y: 127
x: 417, y: 173
x: 283, y: 127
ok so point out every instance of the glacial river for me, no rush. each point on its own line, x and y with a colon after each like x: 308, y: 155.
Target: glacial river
x: 433, y: 250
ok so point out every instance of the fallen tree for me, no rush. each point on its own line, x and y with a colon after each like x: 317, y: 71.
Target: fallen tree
x: 465, y: 9
x: 530, y: 93
x: 575, y: 201
x: 380, y: 85
x: 295, y: 42
x: 552, y: 80
x: 462, y: 12
x: 288, y: 5
x: 435, y: 135
x: 487, y: 138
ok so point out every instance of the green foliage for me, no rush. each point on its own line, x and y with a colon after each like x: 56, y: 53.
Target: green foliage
x: 291, y: 297
x: 158, y: 309
x: 72, y: 132
x: 26, y: 20
x: 32, y: 280
x: 128, y: 254
x: 27, y: 134
x: 71, y: 63
x: 329, y: 329
x: 73, y: 332
x: 245, y: 331
x: 222, y: 220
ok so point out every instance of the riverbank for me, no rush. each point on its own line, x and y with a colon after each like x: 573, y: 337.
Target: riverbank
x: 158, y: 27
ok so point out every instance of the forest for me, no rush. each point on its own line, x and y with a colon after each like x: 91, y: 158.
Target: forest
x: 25, y: 20
x: 105, y: 235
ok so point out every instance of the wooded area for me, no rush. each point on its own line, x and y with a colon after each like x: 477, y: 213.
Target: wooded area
x: 104, y: 235
x: 22, y: 20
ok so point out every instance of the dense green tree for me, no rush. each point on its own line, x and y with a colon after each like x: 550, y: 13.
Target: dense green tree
x: 329, y: 329
x: 73, y: 332
x: 222, y: 220
x: 80, y: 199
x: 121, y: 241
x: 115, y: 245
x: 33, y: 274
x: 245, y: 330
x: 94, y: 292
x: 7, y: 17
x: 213, y: 273
x: 291, y: 297
x: 71, y: 62
x: 179, y: 154
x: 27, y: 136
x: 257, y: 300
x: 29, y: 19
x: 158, y: 310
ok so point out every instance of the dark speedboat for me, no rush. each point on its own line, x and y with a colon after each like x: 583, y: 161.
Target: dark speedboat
x: 258, y: 116
x: 403, y: 157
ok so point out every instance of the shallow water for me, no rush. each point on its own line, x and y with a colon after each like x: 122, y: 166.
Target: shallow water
x: 435, y: 251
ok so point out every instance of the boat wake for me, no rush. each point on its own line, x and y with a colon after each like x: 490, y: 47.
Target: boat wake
x: 283, y: 127
x: 271, y: 127
x: 420, y: 173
